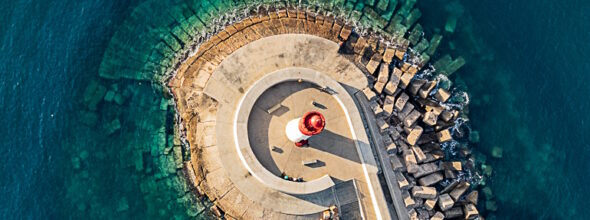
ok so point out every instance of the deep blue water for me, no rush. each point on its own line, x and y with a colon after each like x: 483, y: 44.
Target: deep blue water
x: 527, y: 74
x: 542, y: 120
x: 48, y: 49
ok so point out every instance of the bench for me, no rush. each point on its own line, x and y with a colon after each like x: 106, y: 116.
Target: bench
x: 309, y: 162
x: 273, y: 108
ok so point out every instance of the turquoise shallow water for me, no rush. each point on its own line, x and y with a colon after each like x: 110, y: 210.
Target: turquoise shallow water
x: 526, y: 73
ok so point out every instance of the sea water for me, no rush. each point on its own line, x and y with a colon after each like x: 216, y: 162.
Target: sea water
x: 48, y: 49
x: 59, y: 159
x: 526, y: 73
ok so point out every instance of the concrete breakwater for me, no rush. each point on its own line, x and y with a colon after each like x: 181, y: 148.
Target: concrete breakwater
x: 415, y: 111
x: 408, y: 97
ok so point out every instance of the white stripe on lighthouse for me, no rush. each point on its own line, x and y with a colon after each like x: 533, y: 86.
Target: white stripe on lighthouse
x: 293, y: 132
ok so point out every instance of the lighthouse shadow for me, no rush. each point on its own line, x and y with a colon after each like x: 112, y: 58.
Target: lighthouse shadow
x: 335, y: 144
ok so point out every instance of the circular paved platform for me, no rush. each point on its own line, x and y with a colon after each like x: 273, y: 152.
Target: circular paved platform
x: 333, y: 150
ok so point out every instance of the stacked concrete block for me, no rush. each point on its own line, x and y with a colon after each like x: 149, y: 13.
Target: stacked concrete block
x: 381, y: 78
x: 417, y: 122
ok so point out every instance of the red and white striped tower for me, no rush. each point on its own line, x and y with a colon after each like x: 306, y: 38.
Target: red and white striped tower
x: 300, y: 129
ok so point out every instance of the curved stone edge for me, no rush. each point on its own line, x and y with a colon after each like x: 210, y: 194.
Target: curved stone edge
x: 240, y: 130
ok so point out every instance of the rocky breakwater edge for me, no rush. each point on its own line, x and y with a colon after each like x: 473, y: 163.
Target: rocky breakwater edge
x: 417, y: 119
x: 423, y: 125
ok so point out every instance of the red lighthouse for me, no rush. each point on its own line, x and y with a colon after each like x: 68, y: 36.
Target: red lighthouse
x: 300, y: 129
